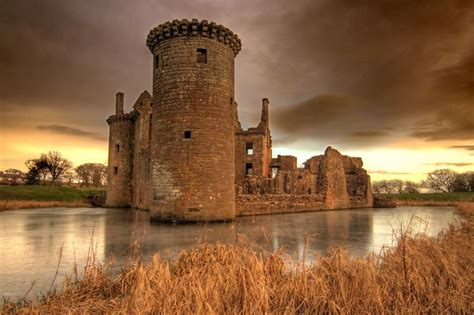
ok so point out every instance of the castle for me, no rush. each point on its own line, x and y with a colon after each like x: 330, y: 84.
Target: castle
x: 182, y: 154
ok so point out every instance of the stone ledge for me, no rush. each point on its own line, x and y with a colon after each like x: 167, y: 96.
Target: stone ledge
x: 122, y: 117
x: 202, y: 28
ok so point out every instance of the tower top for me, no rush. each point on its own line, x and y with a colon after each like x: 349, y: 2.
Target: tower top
x: 194, y: 27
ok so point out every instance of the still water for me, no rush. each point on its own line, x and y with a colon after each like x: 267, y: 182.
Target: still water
x: 31, y: 239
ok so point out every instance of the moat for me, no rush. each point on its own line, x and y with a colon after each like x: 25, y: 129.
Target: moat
x: 31, y: 239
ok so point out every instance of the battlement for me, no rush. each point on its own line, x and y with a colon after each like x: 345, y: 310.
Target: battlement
x: 122, y: 117
x: 194, y: 27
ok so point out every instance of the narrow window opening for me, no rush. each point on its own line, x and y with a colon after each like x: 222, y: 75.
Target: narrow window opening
x: 201, y: 55
x: 249, y: 148
x: 274, y: 172
x: 248, y: 169
x: 157, y: 61
x: 115, y: 170
x: 187, y: 134
x: 150, y: 124
x: 117, y: 147
x: 231, y: 101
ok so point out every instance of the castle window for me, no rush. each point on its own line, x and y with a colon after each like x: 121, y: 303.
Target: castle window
x: 274, y: 172
x: 201, y: 55
x: 249, y: 148
x: 248, y: 169
x: 157, y: 61
x: 187, y: 134
x: 117, y: 147
x: 149, y: 127
x: 115, y: 170
x: 231, y: 101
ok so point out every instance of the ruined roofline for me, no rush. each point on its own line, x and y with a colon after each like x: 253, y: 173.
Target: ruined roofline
x: 202, y: 28
x: 122, y: 117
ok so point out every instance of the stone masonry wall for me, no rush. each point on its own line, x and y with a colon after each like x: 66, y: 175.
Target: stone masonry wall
x: 119, y: 171
x: 192, y: 178
x: 141, y: 154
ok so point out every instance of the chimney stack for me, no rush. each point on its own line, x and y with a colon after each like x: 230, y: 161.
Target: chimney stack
x: 264, y: 121
x: 119, y: 103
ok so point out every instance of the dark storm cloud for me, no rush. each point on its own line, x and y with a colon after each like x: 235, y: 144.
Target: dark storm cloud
x: 409, y: 65
x: 460, y: 164
x: 70, y: 131
x: 336, y: 71
x: 463, y: 147
x: 72, y: 56
x: 369, y: 134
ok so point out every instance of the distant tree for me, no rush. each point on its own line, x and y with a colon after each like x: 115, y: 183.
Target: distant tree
x: 37, y: 171
x: 410, y: 187
x: 99, y: 174
x: 69, y: 177
x: 440, y: 180
x: 91, y: 174
x: 463, y: 182
x: 56, y: 165
x: 394, y: 186
x: 470, y: 180
x: 84, y: 174
x: 32, y: 177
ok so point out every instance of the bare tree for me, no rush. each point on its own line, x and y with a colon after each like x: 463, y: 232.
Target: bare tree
x: 410, y: 187
x: 37, y: 168
x: 441, y: 180
x: 84, y: 174
x: 91, y: 174
x: 394, y: 186
x: 56, y: 164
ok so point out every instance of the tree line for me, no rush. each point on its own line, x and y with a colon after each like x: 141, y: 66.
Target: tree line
x: 52, y: 168
x: 441, y: 180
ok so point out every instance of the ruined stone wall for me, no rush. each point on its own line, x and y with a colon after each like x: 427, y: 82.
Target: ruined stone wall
x: 141, y: 154
x: 272, y: 204
x: 119, y: 171
x: 259, y: 158
x: 193, y: 136
x: 287, y: 163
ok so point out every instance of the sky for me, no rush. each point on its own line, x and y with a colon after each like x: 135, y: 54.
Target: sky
x: 391, y: 81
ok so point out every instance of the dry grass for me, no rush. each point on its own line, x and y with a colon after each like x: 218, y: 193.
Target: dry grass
x: 420, y: 275
x: 427, y: 203
x: 27, y: 204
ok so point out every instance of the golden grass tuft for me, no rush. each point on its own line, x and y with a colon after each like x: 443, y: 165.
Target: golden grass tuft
x: 29, y: 204
x: 421, y: 275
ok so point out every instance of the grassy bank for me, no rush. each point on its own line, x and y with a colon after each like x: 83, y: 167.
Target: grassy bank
x: 430, y: 199
x: 420, y: 275
x: 19, y: 197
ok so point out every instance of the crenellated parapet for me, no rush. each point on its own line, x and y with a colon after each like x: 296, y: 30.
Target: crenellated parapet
x: 191, y: 28
x: 122, y: 118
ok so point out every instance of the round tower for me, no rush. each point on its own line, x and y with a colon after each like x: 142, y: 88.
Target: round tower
x: 192, y: 138
x: 120, y: 156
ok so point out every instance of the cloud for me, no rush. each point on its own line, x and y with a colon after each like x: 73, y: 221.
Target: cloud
x: 407, y: 63
x: 70, y: 131
x: 388, y: 172
x: 341, y: 72
x: 369, y: 134
x: 458, y: 164
x: 463, y: 147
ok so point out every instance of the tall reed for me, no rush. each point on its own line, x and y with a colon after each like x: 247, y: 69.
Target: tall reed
x: 420, y: 275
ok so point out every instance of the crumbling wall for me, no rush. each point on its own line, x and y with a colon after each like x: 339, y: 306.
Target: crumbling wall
x: 332, y: 180
x: 141, y: 155
x: 272, y: 204
x: 120, y: 167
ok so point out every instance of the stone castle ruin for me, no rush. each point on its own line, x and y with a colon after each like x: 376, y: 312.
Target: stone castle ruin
x: 182, y: 154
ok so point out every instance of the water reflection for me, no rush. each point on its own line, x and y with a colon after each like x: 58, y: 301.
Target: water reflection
x: 32, y: 239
